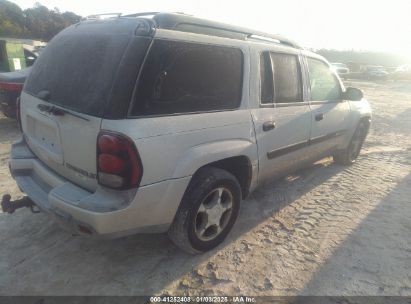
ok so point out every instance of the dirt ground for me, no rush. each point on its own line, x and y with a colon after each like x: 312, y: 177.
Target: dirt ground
x: 327, y: 230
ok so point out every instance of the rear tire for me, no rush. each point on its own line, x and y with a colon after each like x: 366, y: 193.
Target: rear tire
x: 207, y: 211
x: 350, y: 154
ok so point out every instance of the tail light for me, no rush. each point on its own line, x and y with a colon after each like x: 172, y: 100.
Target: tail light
x: 12, y: 87
x: 18, y: 113
x: 118, y: 162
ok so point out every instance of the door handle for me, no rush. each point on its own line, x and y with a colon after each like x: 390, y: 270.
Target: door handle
x: 268, y: 125
x: 319, y: 117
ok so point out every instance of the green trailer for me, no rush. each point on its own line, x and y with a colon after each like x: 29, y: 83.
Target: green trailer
x: 11, y: 56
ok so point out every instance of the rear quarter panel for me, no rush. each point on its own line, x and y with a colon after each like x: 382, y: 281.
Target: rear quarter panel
x: 176, y: 146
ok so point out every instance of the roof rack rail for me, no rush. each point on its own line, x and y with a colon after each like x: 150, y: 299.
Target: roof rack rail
x: 98, y: 16
x: 141, y: 14
x: 187, y: 23
x: 192, y: 24
x: 277, y: 39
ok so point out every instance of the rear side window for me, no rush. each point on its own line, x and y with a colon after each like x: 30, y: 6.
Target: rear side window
x: 280, y: 78
x: 182, y: 77
x: 324, y: 85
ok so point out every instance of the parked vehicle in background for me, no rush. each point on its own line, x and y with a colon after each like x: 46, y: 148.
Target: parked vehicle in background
x: 30, y: 57
x: 17, y: 54
x: 341, y: 69
x: 11, y: 84
x: 402, y: 72
x: 11, y: 56
x: 182, y: 121
x: 375, y: 72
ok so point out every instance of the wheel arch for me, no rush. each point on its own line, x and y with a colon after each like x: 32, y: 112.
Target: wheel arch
x: 239, y: 166
x: 238, y: 157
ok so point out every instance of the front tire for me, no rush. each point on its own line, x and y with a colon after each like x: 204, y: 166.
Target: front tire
x: 350, y: 154
x: 207, y: 212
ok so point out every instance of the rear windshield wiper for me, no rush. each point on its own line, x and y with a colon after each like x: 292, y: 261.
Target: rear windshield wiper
x: 45, y: 96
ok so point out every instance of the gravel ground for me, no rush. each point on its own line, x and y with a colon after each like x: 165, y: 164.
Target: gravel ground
x: 326, y: 230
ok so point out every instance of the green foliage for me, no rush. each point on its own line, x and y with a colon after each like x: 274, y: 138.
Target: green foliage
x: 11, y: 19
x: 34, y: 23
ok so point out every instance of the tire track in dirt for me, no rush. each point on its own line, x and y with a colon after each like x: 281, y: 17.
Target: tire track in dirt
x: 327, y: 229
x: 303, y: 234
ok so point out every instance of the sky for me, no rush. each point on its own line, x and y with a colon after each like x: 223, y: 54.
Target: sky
x: 379, y: 25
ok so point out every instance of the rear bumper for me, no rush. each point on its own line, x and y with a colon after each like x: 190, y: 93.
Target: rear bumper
x: 105, y: 212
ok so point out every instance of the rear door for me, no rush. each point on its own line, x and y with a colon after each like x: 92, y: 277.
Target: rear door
x: 282, y: 120
x: 330, y: 113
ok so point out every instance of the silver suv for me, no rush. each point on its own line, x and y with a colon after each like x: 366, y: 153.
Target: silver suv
x: 164, y: 123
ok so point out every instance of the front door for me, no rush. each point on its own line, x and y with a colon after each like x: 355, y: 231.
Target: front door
x: 330, y: 113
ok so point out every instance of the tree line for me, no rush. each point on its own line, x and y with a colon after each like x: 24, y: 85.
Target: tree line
x: 363, y: 57
x: 41, y: 23
x: 38, y: 22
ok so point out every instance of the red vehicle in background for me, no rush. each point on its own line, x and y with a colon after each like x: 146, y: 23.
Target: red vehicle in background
x: 11, y: 84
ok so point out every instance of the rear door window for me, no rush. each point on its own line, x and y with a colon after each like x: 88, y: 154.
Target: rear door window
x: 183, y: 77
x: 287, y: 78
x: 280, y: 78
x: 267, y: 83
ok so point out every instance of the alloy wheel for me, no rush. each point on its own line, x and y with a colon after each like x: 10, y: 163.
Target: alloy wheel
x: 213, y: 214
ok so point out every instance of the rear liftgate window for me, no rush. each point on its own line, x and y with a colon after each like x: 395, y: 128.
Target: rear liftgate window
x: 78, y: 71
x: 181, y: 77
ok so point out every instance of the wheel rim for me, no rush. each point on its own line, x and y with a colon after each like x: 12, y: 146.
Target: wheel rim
x: 356, y: 142
x: 213, y: 214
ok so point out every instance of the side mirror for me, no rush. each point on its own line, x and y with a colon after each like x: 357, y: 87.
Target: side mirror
x: 353, y: 94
